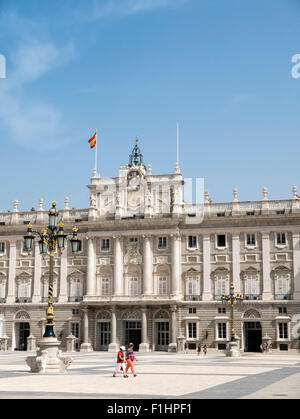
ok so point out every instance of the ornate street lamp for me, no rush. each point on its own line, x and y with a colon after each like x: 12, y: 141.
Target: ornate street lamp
x: 50, y: 240
x: 232, y: 299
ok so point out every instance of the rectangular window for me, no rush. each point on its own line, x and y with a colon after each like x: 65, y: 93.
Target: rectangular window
x: 192, y: 310
x: 105, y: 287
x: 281, y: 239
x: 75, y: 311
x: 162, y: 285
x: 192, y: 286
x: 221, y: 285
x: 282, y: 310
x: 192, y: 242
x: 283, y: 330
x: 162, y: 242
x: 192, y: 330
x: 221, y: 240
x: 133, y: 239
x: 251, y: 285
x: 133, y: 287
x: 282, y: 286
x: 105, y: 244
x: 222, y: 310
x: 2, y: 247
x: 221, y: 330
x: 251, y: 239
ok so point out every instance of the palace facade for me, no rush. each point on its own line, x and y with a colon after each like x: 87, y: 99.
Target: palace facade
x: 152, y: 269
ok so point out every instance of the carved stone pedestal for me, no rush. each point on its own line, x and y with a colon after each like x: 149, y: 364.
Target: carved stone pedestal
x: 172, y: 347
x: 49, y: 358
x: 144, y: 347
x: 232, y: 349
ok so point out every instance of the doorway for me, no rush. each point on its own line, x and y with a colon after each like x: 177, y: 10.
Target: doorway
x: 22, y: 333
x: 133, y: 333
x: 103, y: 336
x: 253, y: 336
x: 162, y: 336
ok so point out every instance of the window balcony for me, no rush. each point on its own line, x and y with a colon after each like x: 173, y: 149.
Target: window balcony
x: 23, y: 300
x: 192, y: 297
x: 283, y: 297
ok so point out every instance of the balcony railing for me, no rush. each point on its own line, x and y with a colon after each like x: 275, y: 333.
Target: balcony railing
x: 45, y: 299
x: 283, y: 297
x: 252, y: 297
x: 23, y: 300
x: 192, y: 297
x: 75, y: 299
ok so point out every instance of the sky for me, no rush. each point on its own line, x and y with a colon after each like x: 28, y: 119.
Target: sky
x: 222, y: 70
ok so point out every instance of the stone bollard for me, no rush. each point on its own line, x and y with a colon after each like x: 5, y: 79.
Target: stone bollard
x: 31, y: 343
x: 4, y: 343
x: 180, y: 344
x: 71, y: 341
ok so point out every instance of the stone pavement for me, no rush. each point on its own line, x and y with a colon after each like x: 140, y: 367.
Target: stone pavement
x: 160, y: 375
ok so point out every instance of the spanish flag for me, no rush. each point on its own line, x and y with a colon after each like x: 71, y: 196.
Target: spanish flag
x: 93, y: 140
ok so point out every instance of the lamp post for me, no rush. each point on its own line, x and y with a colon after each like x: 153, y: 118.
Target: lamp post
x: 51, y: 239
x: 232, y: 298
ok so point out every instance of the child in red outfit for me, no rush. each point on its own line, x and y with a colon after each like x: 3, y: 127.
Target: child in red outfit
x: 120, y: 364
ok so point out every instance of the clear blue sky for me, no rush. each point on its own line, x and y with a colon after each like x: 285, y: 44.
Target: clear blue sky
x: 221, y: 69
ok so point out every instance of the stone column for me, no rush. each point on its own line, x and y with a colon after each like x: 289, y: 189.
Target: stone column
x: 118, y: 266
x: 90, y: 288
x: 86, y: 346
x: 176, y: 264
x: 113, y: 346
x: 144, y: 345
x: 147, y: 268
x: 267, y: 292
x: 63, y: 293
x: 296, y: 265
x: 206, y: 269
x: 236, y: 262
x: 173, y: 344
x: 36, y: 296
x: 11, y: 272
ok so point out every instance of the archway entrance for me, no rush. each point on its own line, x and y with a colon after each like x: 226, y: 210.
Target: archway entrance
x: 253, y: 336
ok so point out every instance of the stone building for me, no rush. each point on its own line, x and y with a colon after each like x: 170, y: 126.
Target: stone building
x: 152, y: 268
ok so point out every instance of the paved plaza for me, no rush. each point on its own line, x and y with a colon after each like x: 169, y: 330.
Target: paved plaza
x: 160, y: 375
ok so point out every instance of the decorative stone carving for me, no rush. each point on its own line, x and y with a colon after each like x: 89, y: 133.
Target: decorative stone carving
x: 133, y: 255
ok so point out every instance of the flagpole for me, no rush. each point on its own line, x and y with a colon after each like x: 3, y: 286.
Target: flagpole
x: 96, y: 150
x: 177, y: 144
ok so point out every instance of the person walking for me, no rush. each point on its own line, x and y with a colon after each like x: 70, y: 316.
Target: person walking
x: 185, y: 347
x: 205, y: 349
x: 120, y: 364
x: 199, y: 349
x: 130, y: 358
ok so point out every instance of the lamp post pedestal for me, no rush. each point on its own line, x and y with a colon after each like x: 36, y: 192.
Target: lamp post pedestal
x: 48, y: 358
